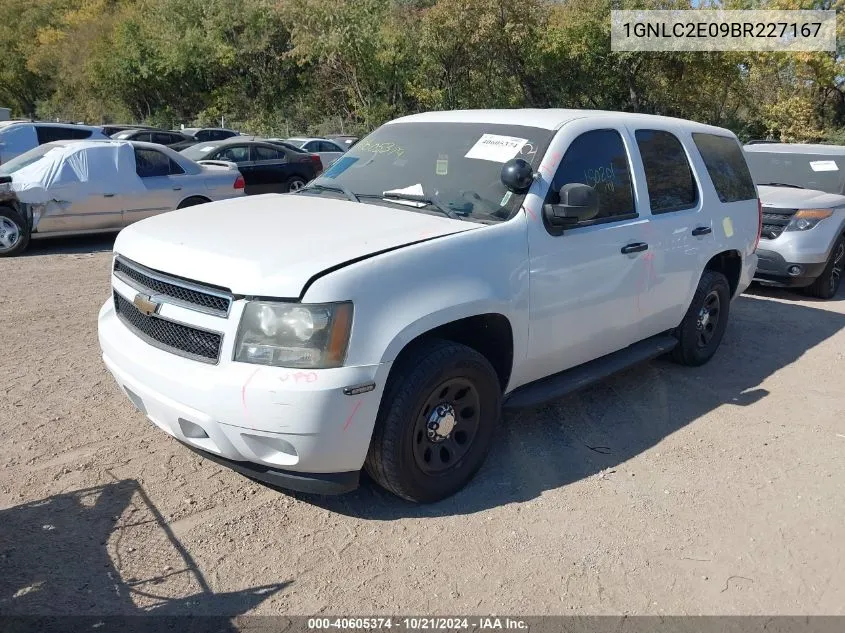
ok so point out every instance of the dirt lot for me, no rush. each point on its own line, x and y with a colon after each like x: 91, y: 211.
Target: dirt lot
x: 716, y: 490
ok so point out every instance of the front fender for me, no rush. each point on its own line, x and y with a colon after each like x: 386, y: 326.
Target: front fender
x: 406, y: 292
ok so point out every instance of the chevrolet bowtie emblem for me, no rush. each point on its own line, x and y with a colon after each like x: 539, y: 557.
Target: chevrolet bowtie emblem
x: 145, y: 304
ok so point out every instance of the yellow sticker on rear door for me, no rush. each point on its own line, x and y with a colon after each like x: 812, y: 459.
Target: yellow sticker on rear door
x: 728, y: 225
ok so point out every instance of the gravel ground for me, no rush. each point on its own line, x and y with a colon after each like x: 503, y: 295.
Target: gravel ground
x: 665, y: 490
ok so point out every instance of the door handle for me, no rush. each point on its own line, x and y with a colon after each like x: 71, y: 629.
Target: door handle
x: 177, y: 188
x: 702, y: 230
x: 636, y: 247
x: 108, y: 195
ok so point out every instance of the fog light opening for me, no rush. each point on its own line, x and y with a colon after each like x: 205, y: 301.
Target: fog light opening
x: 194, y: 431
x: 794, y: 271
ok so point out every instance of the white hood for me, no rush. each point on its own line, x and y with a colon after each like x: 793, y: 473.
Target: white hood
x: 794, y: 198
x: 271, y: 245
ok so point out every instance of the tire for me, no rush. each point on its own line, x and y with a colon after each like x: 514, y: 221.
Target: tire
x: 827, y: 284
x: 14, y: 232
x: 443, y: 400
x: 294, y: 183
x: 192, y: 202
x: 703, y: 327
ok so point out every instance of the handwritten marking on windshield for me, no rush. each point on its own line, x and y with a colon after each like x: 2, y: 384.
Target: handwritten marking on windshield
x: 381, y: 148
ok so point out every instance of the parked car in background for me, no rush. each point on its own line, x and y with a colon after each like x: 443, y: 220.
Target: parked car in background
x: 802, y: 189
x: 113, y: 128
x: 343, y: 140
x: 328, y: 151
x: 151, y: 135
x: 70, y: 187
x: 208, y: 133
x: 17, y: 137
x: 450, y: 262
x: 266, y: 167
x: 188, y: 142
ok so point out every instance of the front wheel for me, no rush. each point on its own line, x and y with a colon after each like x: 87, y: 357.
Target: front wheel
x: 436, y: 421
x: 827, y: 284
x: 701, y: 331
x: 14, y: 235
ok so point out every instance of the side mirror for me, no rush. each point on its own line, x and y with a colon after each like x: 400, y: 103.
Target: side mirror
x: 517, y: 175
x: 578, y: 203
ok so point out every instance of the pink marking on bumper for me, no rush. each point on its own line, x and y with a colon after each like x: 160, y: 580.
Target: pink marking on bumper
x: 352, y: 415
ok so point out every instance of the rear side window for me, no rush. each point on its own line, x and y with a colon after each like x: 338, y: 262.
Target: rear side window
x: 726, y: 165
x: 236, y: 154
x: 260, y: 152
x: 598, y: 159
x: 49, y: 133
x: 149, y: 163
x: 163, y: 138
x: 668, y: 175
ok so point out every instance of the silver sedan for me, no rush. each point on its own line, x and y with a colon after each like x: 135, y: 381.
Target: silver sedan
x: 76, y: 187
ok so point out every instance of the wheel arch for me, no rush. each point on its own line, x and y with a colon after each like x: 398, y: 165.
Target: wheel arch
x: 729, y: 263
x: 490, y: 333
x: 203, y: 200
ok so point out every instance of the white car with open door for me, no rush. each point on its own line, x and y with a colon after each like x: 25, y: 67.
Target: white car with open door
x: 449, y: 264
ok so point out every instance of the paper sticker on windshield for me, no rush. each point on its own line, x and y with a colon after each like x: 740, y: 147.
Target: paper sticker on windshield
x: 823, y: 165
x: 339, y: 166
x: 499, y: 149
x: 441, y: 166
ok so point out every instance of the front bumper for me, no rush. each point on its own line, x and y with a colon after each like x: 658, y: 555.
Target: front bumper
x: 773, y: 268
x: 292, y: 428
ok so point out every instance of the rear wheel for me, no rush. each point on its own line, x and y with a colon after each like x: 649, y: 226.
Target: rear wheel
x: 701, y: 331
x: 14, y: 235
x: 192, y: 202
x: 827, y: 284
x: 436, y: 421
x: 295, y: 183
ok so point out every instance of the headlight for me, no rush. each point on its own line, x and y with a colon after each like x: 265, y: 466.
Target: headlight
x: 294, y: 335
x: 806, y: 219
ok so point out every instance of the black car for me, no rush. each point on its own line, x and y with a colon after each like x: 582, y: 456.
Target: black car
x: 266, y: 167
x: 162, y: 137
x: 208, y: 133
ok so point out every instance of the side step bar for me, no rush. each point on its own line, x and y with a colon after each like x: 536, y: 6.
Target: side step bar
x: 566, y: 382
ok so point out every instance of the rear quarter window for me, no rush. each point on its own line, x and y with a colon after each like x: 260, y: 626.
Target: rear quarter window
x: 726, y: 167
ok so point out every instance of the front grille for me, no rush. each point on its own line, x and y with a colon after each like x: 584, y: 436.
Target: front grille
x: 775, y: 221
x: 185, y: 293
x: 168, y: 335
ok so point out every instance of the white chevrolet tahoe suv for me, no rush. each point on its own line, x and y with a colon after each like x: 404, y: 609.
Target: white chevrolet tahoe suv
x: 449, y: 264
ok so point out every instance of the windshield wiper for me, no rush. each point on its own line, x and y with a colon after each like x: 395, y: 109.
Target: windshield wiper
x: 779, y: 184
x: 426, y: 200
x: 339, y: 188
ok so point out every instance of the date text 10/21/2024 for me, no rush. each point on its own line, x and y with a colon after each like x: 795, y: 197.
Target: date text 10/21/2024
x: 418, y: 623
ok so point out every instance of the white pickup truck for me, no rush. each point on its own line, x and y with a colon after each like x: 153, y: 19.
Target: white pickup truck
x: 449, y: 264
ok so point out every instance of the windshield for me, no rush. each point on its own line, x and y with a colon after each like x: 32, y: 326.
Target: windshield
x: 27, y: 158
x: 456, y: 166
x: 822, y: 172
x: 198, y: 151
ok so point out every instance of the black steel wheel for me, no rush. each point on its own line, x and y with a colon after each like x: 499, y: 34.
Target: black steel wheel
x: 703, y: 327
x: 436, y: 421
x: 446, y: 426
x: 708, y: 319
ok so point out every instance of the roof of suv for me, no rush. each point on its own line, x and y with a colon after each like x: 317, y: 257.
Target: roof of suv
x: 550, y: 119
